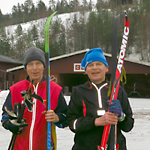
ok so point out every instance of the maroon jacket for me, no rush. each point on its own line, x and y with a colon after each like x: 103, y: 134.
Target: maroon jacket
x: 33, y: 137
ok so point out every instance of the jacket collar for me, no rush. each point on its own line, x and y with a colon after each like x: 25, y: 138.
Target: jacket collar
x: 43, y: 79
x: 90, y: 86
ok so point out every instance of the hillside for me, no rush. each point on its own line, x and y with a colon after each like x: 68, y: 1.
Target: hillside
x: 66, y: 19
x: 87, y: 28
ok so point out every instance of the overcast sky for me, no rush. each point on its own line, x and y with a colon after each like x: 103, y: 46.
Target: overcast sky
x: 6, y: 5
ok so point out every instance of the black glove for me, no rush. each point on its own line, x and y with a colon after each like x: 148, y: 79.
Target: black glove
x: 13, y: 125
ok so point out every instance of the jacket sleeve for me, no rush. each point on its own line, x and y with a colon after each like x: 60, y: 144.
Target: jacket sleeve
x: 76, y: 120
x: 5, y: 116
x: 7, y: 104
x: 61, y: 111
x: 128, y: 122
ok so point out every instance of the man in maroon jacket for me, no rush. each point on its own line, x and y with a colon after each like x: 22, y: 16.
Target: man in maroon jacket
x: 32, y: 132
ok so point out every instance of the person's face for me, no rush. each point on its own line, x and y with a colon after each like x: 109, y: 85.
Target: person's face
x: 35, y: 70
x: 96, y: 71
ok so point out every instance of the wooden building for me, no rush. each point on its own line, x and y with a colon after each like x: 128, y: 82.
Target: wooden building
x: 7, y: 79
x: 67, y: 72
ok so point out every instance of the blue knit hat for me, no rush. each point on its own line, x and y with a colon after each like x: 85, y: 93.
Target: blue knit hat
x: 92, y: 55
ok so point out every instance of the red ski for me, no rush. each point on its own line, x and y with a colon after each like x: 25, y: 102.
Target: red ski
x: 116, y: 84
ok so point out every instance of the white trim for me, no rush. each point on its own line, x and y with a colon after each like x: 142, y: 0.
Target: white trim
x: 15, y: 68
x: 33, y: 119
x: 74, y: 124
x: 99, y: 94
x: 69, y: 54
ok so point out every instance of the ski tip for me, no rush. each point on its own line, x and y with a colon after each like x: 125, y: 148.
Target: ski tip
x: 54, y: 13
x: 125, y: 13
x: 118, y: 16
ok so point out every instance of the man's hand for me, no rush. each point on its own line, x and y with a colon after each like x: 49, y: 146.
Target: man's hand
x: 51, y: 116
x: 14, y: 126
x: 107, y: 118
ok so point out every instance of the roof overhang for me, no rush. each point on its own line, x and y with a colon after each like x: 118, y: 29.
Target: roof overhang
x: 77, y: 53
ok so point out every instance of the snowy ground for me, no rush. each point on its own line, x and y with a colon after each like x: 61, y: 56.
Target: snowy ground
x: 137, y: 139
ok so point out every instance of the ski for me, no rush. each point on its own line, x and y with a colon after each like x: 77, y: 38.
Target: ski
x: 115, y: 48
x: 48, y: 99
x: 116, y: 84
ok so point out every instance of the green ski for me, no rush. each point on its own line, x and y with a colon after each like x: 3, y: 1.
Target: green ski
x: 48, y: 100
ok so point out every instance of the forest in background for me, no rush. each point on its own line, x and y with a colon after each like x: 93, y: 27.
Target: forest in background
x: 81, y: 33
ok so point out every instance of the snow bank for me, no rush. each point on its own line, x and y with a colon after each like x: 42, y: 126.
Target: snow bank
x: 3, y: 95
x: 137, y: 139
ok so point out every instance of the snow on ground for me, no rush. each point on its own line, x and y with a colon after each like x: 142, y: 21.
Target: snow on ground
x: 137, y: 139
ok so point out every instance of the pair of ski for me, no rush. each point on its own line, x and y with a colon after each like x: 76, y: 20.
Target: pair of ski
x: 115, y: 88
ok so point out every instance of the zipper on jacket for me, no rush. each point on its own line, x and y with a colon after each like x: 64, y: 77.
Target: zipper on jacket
x: 33, y: 119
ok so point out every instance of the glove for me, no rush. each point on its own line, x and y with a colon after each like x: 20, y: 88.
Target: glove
x: 115, y: 107
x: 14, y: 126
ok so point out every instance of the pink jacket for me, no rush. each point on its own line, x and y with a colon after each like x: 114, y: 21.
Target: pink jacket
x: 33, y: 137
